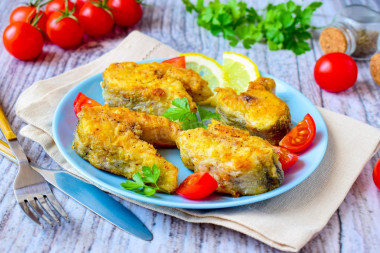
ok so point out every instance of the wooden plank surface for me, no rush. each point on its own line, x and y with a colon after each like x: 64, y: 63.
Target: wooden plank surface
x: 355, y: 227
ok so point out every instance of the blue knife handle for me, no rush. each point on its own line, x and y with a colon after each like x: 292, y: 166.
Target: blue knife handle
x: 102, y: 204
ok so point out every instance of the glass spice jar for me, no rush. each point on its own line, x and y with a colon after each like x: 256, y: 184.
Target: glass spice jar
x: 355, y: 31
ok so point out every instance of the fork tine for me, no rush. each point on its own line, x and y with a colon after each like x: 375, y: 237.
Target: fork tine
x: 27, y: 211
x: 38, y: 210
x: 47, y: 209
x: 54, y: 202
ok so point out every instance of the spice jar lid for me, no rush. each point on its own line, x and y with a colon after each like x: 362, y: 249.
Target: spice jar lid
x: 374, y: 65
x: 333, y: 40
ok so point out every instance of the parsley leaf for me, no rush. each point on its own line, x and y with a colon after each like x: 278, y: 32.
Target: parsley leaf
x: 206, y: 114
x: 146, y: 184
x: 188, y: 119
x: 281, y: 26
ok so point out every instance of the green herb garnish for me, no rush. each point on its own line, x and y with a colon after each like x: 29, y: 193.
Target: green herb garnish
x: 146, y: 184
x: 188, y: 119
x: 282, y: 26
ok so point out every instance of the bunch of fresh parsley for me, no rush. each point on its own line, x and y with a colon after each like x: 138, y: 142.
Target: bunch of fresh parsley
x: 188, y: 119
x: 282, y: 26
x: 146, y: 184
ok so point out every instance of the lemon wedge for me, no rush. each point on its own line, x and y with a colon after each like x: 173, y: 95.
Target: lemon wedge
x: 209, y: 69
x: 238, y: 70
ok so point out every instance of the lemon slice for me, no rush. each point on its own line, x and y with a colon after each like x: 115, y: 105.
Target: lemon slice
x: 209, y: 69
x: 239, y: 70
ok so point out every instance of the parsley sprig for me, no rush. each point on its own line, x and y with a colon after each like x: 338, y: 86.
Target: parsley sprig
x: 282, y: 26
x: 146, y: 184
x: 188, y: 119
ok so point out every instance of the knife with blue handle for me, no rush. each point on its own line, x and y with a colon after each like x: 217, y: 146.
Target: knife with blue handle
x: 91, y: 197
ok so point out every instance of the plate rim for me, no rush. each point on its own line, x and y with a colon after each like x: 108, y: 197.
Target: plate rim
x: 192, y: 204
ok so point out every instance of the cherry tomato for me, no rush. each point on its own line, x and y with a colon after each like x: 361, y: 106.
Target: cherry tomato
x: 28, y: 14
x: 67, y: 32
x: 81, y: 101
x: 178, y: 62
x: 79, y: 4
x: 376, y: 174
x: 197, y: 186
x: 286, y: 158
x: 95, y: 19
x: 300, y: 137
x: 335, y: 72
x: 125, y: 12
x: 22, y: 40
x: 57, y: 5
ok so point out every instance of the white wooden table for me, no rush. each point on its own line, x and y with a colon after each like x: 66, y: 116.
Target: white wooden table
x: 355, y: 227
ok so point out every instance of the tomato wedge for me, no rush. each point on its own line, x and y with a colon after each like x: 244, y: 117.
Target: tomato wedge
x: 178, y: 62
x: 197, y: 186
x: 300, y: 137
x: 376, y: 174
x: 81, y: 101
x: 286, y: 158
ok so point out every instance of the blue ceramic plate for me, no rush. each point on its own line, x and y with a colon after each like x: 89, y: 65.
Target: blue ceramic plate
x: 65, y: 121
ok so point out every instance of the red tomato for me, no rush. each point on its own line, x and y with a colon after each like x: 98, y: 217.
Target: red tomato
x: 79, y: 4
x: 335, y: 72
x: 22, y: 40
x: 81, y: 101
x: 66, y: 33
x: 28, y: 14
x: 178, y: 62
x: 95, y: 19
x: 125, y: 12
x: 286, y: 158
x: 197, y: 186
x: 56, y: 5
x: 300, y: 137
x: 376, y: 174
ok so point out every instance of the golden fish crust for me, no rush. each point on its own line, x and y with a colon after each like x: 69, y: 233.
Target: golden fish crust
x: 257, y: 110
x: 241, y: 164
x: 111, y: 139
x: 151, y: 87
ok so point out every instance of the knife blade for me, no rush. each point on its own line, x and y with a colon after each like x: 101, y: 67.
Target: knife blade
x: 90, y: 197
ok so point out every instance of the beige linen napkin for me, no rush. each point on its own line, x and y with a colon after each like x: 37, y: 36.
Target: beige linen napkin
x: 286, y: 222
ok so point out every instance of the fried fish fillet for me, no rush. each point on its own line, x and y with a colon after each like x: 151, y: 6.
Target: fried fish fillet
x: 156, y: 130
x: 257, y: 110
x: 151, y: 87
x: 241, y: 164
x: 153, y: 97
x: 111, y: 140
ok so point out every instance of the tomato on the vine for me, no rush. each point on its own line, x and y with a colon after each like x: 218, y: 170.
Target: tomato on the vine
x: 335, y: 72
x: 28, y: 14
x: 22, y: 40
x: 96, y: 18
x: 64, y: 29
x: 79, y: 4
x: 58, y: 5
x: 125, y: 12
x: 376, y: 174
x: 301, y: 136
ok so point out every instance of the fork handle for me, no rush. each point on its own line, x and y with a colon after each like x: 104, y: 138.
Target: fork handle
x: 5, y: 127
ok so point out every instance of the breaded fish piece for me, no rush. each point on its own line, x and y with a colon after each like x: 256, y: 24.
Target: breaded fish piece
x: 151, y: 87
x: 111, y: 141
x: 153, y: 97
x: 257, y: 110
x: 156, y: 130
x: 192, y: 81
x: 241, y: 164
